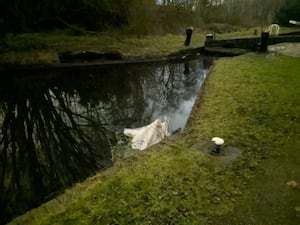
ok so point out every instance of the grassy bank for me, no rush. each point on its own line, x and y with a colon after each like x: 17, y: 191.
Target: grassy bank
x: 39, y: 48
x: 45, y: 47
x: 252, y: 101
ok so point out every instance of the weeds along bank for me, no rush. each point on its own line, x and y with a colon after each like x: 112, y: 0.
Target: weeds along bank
x: 252, y: 102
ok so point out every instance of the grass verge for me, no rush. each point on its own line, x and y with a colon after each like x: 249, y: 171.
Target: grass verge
x: 40, y: 48
x: 252, y: 101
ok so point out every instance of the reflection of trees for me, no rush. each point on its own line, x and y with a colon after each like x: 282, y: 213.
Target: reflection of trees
x: 134, y: 96
x: 172, y: 86
x: 45, y: 145
x: 115, y: 95
x: 58, y: 127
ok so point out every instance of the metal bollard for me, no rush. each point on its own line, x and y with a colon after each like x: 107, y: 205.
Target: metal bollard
x: 264, y: 42
x: 209, y: 37
x: 188, y: 32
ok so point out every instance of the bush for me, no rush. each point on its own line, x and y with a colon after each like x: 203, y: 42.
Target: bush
x: 22, y: 42
x: 221, y: 28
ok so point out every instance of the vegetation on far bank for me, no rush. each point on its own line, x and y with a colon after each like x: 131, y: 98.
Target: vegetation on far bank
x: 140, y: 17
x: 45, y: 47
x: 31, y: 33
x: 252, y: 102
x: 41, y: 48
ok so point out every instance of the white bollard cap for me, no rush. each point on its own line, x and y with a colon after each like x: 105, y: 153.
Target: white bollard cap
x: 218, y: 140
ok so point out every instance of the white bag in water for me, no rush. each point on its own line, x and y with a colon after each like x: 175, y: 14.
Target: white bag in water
x: 147, y: 136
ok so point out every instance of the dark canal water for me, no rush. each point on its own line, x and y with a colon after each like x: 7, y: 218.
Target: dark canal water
x: 58, y: 127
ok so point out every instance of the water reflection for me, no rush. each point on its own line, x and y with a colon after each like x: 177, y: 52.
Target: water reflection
x: 58, y: 127
x: 186, y: 68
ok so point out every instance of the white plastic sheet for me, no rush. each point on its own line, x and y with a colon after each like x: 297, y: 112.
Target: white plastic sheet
x: 147, y: 136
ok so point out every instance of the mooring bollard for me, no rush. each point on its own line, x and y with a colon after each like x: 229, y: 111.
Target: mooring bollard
x: 218, y: 143
x: 189, y: 31
x: 209, y: 37
x: 264, y: 42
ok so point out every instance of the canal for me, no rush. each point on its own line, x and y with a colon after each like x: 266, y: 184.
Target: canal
x: 58, y: 127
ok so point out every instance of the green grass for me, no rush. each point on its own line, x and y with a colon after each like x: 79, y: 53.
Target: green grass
x: 39, y: 48
x: 44, y: 47
x: 252, y: 101
x: 269, y: 199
